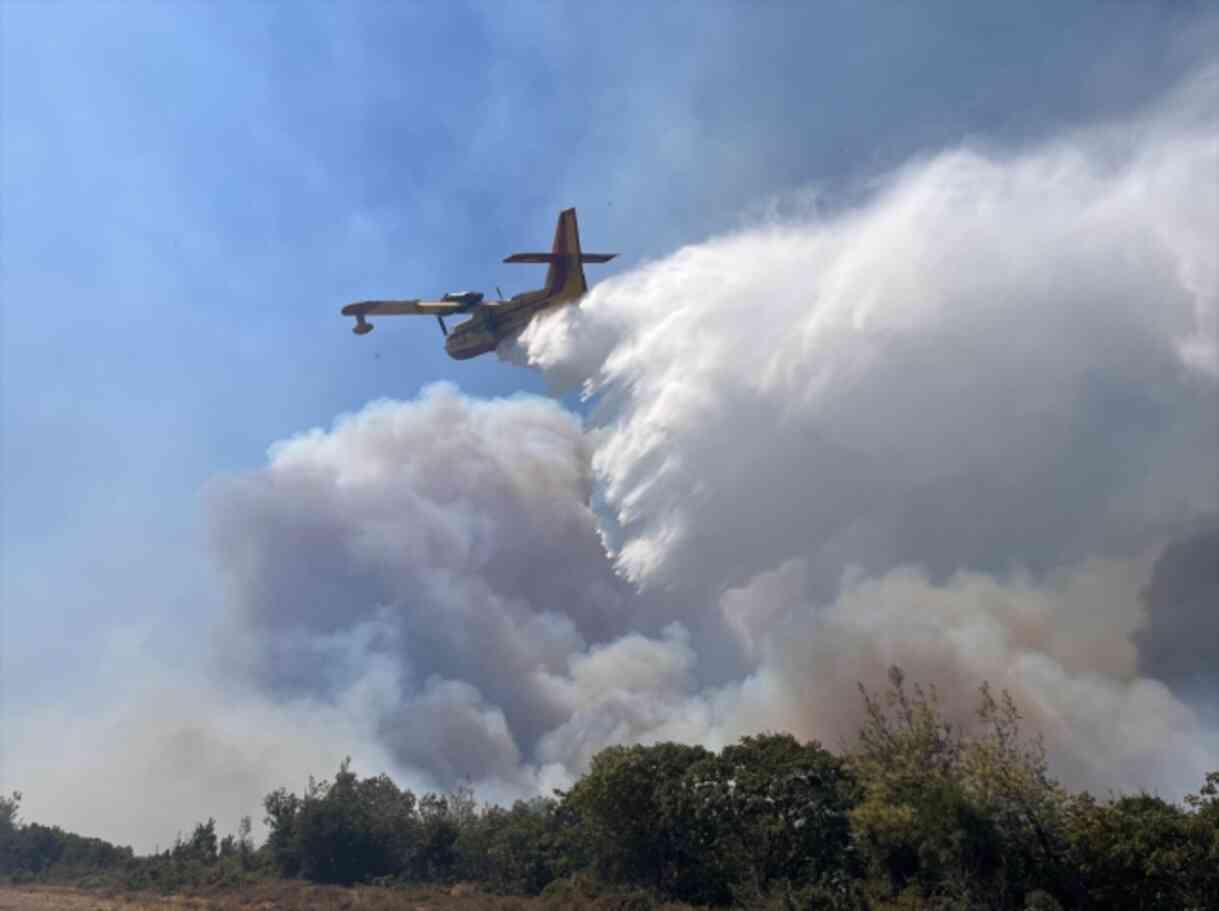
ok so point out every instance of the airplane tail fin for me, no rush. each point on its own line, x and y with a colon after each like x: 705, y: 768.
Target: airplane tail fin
x: 565, y: 275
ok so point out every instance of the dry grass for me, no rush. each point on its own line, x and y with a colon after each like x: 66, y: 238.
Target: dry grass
x: 45, y: 898
x: 298, y: 896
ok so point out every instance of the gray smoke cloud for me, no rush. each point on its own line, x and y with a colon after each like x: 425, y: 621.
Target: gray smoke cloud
x: 1177, y: 643
x: 452, y: 538
x: 174, y: 746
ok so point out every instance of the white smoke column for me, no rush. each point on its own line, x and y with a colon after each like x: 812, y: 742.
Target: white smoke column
x: 1002, y: 365
x: 961, y: 352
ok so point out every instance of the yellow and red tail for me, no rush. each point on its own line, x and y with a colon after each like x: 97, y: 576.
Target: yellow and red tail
x: 565, y: 275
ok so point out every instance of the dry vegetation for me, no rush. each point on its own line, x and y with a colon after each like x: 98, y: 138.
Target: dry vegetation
x: 299, y: 896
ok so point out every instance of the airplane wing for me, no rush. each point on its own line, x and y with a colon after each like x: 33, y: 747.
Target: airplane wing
x: 414, y: 307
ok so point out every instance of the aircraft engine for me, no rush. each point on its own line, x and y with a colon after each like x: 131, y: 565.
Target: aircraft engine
x: 465, y: 298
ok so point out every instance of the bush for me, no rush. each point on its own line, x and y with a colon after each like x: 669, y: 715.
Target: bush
x: 768, y: 810
x: 1140, y: 851
x: 634, y: 823
x: 514, y: 852
x: 343, y: 832
x: 947, y: 815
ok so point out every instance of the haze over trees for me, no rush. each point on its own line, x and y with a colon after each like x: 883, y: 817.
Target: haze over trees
x: 919, y: 814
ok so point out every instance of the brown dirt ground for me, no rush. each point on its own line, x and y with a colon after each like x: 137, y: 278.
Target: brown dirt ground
x: 295, y: 896
x: 45, y: 898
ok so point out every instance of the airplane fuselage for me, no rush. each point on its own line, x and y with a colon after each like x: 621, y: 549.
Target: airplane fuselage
x: 490, y: 324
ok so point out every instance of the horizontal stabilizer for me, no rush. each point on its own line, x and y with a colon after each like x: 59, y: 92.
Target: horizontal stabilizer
x: 556, y: 257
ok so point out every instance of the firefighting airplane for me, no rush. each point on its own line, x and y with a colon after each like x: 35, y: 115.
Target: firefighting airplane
x: 492, y: 321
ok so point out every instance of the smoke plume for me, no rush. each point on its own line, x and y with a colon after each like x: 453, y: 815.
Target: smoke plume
x: 966, y: 424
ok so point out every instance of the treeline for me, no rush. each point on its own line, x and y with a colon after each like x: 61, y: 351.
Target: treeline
x: 32, y: 852
x: 27, y: 851
x: 918, y: 815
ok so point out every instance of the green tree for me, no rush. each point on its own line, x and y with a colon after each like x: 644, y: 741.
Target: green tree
x: 202, y: 846
x: 1006, y: 776
x: 516, y: 851
x: 10, y: 808
x: 245, y: 844
x: 1203, y: 877
x: 350, y: 831
x: 1141, y: 852
x: 768, y: 810
x: 435, y: 856
x: 283, y: 842
x: 965, y: 818
x: 634, y: 825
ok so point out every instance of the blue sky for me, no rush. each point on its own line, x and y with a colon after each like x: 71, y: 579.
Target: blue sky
x: 190, y: 191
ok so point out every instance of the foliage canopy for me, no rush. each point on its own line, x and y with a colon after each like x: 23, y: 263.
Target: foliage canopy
x: 919, y: 814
